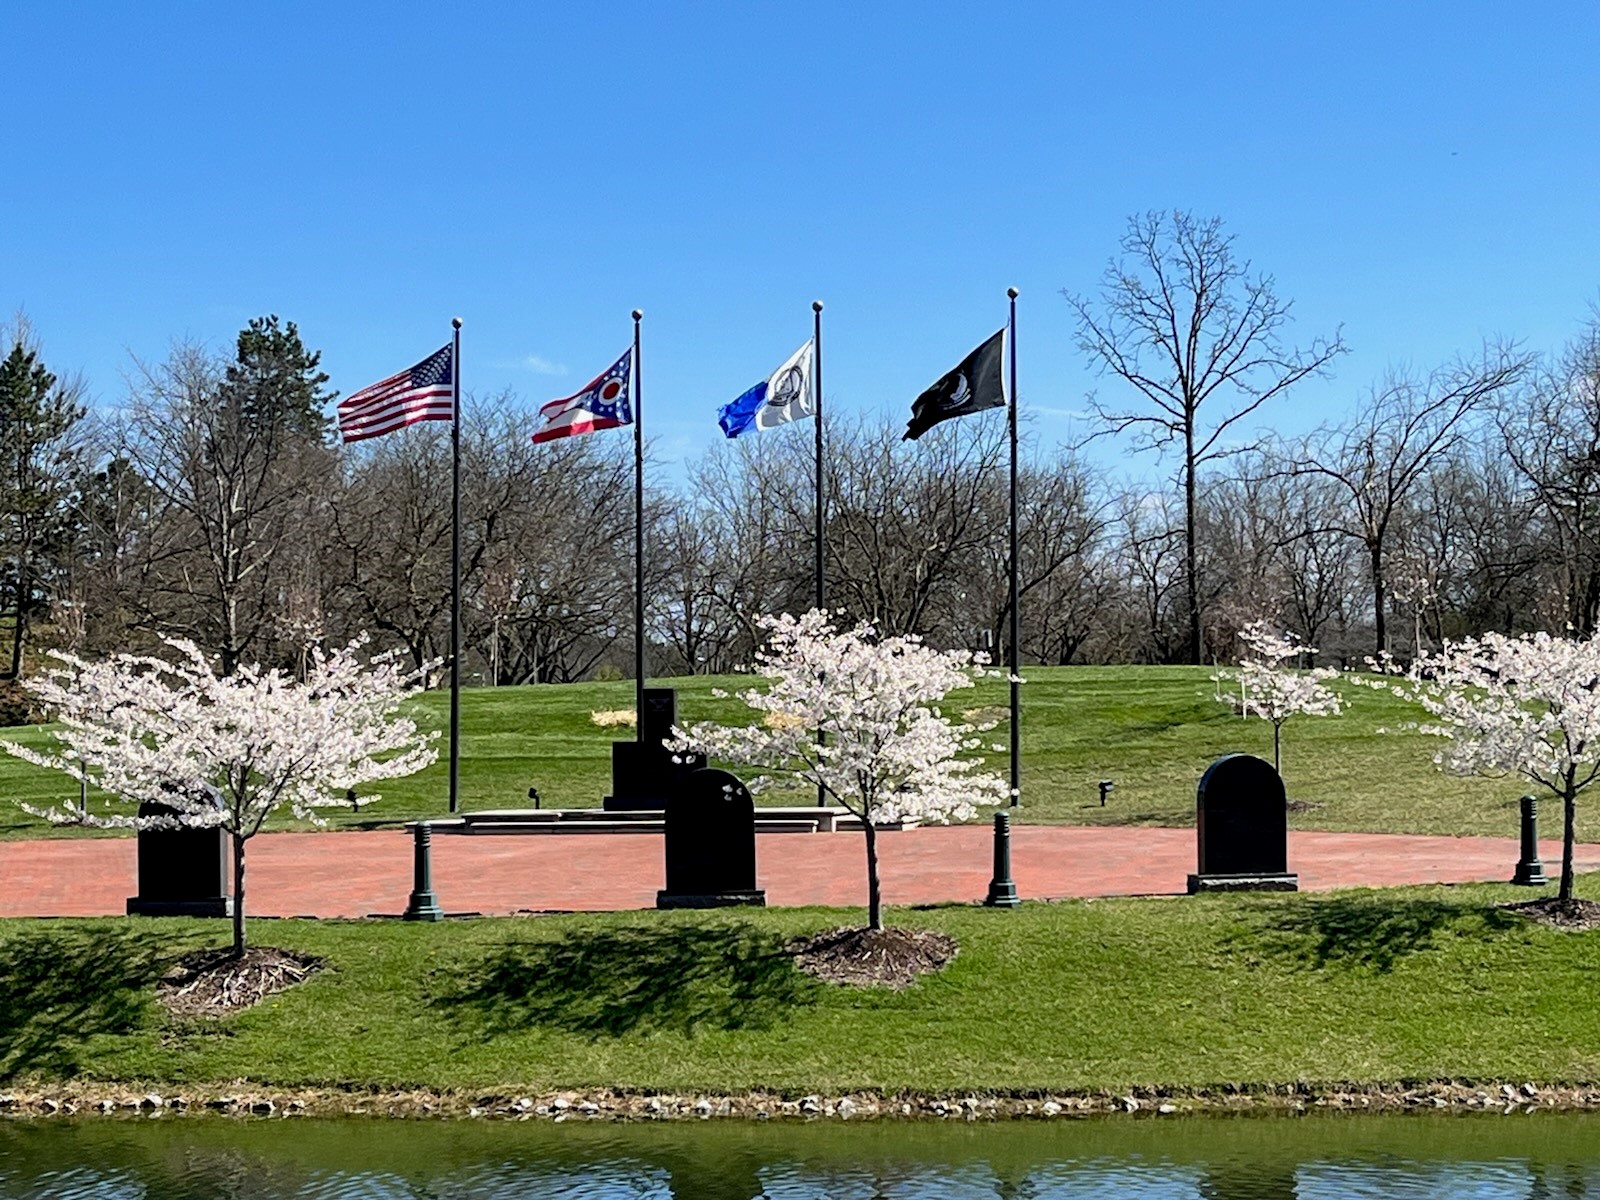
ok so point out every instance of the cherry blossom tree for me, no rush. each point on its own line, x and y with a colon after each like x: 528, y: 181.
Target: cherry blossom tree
x: 227, y: 751
x: 1264, y: 686
x: 1527, y: 706
x: 888, y: 753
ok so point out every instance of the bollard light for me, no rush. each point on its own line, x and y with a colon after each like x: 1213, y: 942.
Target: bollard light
x: 1530, y: 871
x: 1105, y: 790
x: 1002, y: 891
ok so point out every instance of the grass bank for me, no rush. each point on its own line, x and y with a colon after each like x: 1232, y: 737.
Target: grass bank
x: 1361, y: 987
x: 1152, y: 730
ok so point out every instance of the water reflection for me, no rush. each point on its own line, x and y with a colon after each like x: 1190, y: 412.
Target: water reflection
x: 1542, y: 1157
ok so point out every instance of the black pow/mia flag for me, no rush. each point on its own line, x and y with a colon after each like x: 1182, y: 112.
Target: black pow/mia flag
x: 976, y: 384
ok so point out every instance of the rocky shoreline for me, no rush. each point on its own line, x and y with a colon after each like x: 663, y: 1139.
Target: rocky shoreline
x: 246, y: 1101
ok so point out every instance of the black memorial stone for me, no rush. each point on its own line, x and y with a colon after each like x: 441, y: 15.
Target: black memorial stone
x: 1242, y: 826
x: 182, y: 872
x: 711, y: 844
x: 643, y: 773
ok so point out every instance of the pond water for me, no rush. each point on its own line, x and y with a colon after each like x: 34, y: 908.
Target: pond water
x: 1206, y: 1158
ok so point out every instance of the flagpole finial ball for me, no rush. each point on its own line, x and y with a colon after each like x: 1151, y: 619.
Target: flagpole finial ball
x: 638, y: 314
x: 816, y: 306
x: 455, y: 322
x: 1012, y: 292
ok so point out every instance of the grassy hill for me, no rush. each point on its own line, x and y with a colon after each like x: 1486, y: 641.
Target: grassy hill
x: 1152, y: 730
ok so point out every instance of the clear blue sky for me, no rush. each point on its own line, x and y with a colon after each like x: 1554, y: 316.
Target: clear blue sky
x: 1425, y: 174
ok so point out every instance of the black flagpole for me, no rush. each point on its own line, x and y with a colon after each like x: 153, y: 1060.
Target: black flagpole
x: 1016, y: 608
x: 455, y: 564
x: 816, y: 369
x: 638, y: 534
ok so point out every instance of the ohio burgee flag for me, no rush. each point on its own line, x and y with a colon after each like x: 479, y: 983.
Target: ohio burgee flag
x: 603, y: 404
x: 782, y: 397
x: 977, y: 383
x: 421, y: 393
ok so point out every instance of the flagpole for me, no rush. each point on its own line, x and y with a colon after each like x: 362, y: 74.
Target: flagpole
x: 1016, y: 608
x: 821, y: 554
x: 455, y: 563
x: 638, y: 533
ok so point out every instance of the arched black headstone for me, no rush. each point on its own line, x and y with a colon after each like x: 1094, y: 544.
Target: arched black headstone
x: 182, y: 872
x: 1242, y: 827
x: 710, y: 843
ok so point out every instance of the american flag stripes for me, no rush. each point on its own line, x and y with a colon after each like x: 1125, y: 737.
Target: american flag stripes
x: 424, y: 392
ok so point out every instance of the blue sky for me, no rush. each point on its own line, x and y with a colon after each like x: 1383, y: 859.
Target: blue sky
x: 1426, y: 175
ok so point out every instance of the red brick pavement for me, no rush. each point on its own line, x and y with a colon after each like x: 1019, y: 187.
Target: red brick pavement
x: 356, y: 874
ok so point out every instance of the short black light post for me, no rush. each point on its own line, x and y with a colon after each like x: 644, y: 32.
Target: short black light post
x: 533, y: 794
x: 1530, y: 871
x: 1002, y: 891
x: 423, y: 905
x: 1105, y: 790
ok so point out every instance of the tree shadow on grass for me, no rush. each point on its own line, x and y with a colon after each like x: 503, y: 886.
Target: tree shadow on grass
x: 60, y: 987
x: 1362, y: 933
x: 612, y: 982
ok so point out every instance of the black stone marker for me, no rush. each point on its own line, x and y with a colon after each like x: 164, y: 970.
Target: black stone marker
x: 182, y: 872
x: 1242, y: 826
x: 711, y: 844
x: 643, y: 775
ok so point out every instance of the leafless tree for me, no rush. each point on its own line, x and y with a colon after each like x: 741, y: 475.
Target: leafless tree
x: 1200, y: 340
x: 1401, y: 429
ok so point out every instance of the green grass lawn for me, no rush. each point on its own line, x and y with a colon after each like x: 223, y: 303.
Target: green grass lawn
x: 1150, y: 729
x: 1411, y: 984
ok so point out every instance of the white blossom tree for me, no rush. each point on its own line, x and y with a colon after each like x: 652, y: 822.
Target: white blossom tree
x: 1527, y: 706
x: 1266, y: 686
x: 889, y: 754
x: 226, y: 751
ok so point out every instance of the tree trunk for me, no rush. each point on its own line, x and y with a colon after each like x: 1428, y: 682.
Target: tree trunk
x: 23, y: 584
x: 1569, y: 810
x: 1277, y: 741
x: 1380, y: 628
x: 874, y: 894
x: 1191, y: 558
x: 238, y: 896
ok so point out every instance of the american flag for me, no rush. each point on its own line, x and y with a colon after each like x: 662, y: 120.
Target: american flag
x: 601, y: 405
x: 423, y: 393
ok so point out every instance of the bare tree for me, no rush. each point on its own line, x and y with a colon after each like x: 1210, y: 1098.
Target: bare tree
x: 1402, y: 429
x: 1199, y: 338
x: 1551, y: 434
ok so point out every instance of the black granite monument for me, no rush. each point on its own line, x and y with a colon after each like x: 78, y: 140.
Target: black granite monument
x: 182, y: 872
x: 1242, y: 825
x: 643, y: 774
x: 711, y: 844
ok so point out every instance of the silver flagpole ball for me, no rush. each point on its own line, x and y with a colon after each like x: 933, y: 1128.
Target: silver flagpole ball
x: 816, y: 306
x: 455, y: 322
x: 1012, y: 292
x: 638, y: 314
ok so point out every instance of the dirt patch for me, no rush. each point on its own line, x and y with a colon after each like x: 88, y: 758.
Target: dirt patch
x: 1300, y: 806
x: 213, y: 983
x: 893, y: 958
x: 1573, y: 916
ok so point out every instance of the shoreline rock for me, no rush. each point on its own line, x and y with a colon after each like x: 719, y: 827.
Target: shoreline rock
x: 243, y: 1102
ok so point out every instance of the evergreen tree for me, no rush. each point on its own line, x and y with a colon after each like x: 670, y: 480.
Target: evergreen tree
x: 38, y: 464
x: 274, y: 382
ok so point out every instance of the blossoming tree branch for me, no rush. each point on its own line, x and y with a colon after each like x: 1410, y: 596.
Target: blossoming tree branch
x: 887, y: 754
x: 1270, y: 688
x: 1526, y: 706
x: 207, y: 750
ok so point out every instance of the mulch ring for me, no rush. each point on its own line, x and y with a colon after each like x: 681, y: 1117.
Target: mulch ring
x: 213, y: 983
x: 1573, y: 916
x: 893, y: 958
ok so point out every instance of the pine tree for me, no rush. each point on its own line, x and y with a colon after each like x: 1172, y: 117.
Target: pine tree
x: 38, y: 463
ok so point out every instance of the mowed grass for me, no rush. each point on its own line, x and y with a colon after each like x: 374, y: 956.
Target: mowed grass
x: 1377, y: 987
x: 1151, y: 730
